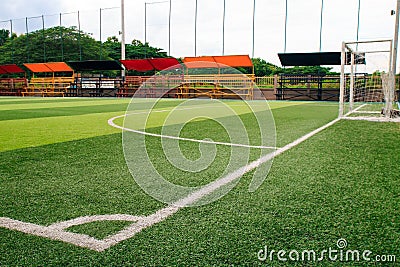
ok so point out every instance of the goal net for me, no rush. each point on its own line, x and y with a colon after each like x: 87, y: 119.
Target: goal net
x: 367, y: 82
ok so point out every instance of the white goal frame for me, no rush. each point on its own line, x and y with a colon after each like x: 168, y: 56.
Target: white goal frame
x: 354, y: 57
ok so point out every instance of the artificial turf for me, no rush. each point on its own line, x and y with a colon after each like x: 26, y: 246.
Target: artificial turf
x: 341, y: 183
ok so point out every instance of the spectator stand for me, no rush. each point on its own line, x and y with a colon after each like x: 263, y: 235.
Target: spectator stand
x: 214, y: 77
x: 11, y: 82
x: 159, y: 85
x: 95, y: 78
x: 49, y: 79
x: 309, y: 87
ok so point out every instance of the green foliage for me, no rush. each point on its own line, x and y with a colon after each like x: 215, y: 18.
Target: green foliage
x: 307, y: 70
x: 50, y: 45
x: 263, y: 68
x: 67, y: 44
x: 4, y: 36
x: 134, y: 50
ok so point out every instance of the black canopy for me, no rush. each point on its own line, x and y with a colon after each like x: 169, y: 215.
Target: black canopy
x: 310, y: 59
x: 91, y: 65
x: 317, y: 59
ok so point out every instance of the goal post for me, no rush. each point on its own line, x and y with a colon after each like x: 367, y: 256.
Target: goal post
x: 367, y: 81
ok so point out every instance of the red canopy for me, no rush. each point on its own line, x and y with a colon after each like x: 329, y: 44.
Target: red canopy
x: 10, y: 69
x: 149, y: 64
x: 164, y: 63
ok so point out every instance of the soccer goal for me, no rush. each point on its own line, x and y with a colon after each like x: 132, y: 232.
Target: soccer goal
x: 367, y: 82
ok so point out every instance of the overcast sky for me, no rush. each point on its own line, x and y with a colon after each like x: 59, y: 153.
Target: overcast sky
x: 303, y: 28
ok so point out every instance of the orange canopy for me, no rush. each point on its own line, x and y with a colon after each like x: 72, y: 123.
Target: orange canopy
x: 59, y: 67
x: 218, y: 61
x: 234, y: 61
x: 200, y: 62
x: 48, y: 67
x: 37, y: 67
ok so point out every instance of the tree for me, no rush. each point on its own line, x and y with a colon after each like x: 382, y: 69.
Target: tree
x: 307, y: 70
x: 263, y: 68
x: 134, y: 50
x: 4, y: 36
x: 53, y: 44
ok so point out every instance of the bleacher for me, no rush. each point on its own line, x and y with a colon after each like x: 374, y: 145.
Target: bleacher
x: 217, y: 86
x: 53, y: 85
x: 227, y: 83
x: 10, y: 84
x: 130, y: 85
x: 93, y: 78
x: 153, y: 86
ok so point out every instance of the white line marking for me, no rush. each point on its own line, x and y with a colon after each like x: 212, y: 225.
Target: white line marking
x: 364, y: 118
x: 56, y: 231
x: 373, y: 119
x: 80, y: 240
x: 367, y: 112
x: 88, y: 219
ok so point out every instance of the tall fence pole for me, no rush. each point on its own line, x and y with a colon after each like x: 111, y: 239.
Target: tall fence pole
x: 27, y: 38
x: 321, y: 24
x: 195, y: 31
x: 44, y: 40
x: 286, y: 19
x: 223, y: 29
x: 396, y: 38
x: 12, y: 43
x: 254, y: 25
x: 101, y: 42
x: 79, y: 37
x: 61, y: 38
x: 145, y: 30
x: 123, y: 35
x: 358, y: 22
x: 169, y: 27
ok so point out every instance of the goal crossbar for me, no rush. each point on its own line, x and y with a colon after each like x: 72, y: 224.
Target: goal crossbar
x: 351, y: 79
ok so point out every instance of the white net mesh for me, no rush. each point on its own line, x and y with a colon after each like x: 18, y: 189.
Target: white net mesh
x: 367, y: 87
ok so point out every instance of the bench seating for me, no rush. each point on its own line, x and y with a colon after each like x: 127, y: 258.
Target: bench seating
x: 53, y: 86
x: 12, y: 86
x: 130, y: 85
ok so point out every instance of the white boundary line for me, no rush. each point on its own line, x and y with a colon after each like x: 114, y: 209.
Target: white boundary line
x: 373, y: 119
x: 57, y: 231
x: 364, y: 118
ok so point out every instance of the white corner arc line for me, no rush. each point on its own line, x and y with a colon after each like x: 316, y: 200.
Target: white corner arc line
x: 112, y: 123
x: 95, y: 218
x: 80, y: 240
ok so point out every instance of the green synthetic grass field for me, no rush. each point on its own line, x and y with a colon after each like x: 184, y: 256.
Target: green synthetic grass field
x: 60, y: 160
